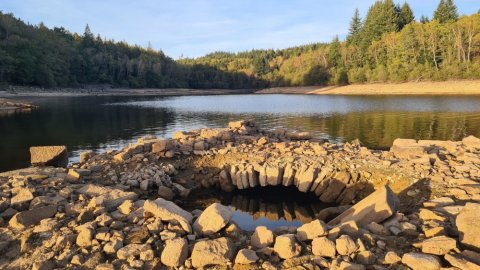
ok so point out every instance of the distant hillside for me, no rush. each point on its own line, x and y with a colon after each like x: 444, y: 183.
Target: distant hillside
x: 39, y: 56
x: 388, y: 45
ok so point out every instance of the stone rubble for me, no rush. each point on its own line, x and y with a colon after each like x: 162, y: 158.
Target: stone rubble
x: 413, y: 207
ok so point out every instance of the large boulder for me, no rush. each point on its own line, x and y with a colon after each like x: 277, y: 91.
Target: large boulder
x: 471, y: 142
x: 162, y: 145
x: 286, y: 247
x: 467, y: 224
x: 170, y: 212
x: 246, y: 256
x: 377, y: 207
x: 56, y: 156
x: 213, y: 219
x: 28, y: 218
x: 223, y: 134
x: 212, y: 252
x: 111, y: 197
x: 345, y: 245
x: 21, y: 198
x: 175, y: 252
x: 311, y: 230
x: 262, y: 237
x: 407, y: 149
x: 324, y: 247
x: 420, y: 261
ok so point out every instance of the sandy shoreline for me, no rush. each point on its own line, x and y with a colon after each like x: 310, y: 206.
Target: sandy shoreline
x: 410, y: 88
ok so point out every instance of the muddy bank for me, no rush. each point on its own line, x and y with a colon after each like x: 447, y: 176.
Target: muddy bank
x: 415, y: 205
x: 17, y: 91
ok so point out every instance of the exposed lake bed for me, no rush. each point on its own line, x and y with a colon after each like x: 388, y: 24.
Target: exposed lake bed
x: 289, y: 175
x: 121, y: 206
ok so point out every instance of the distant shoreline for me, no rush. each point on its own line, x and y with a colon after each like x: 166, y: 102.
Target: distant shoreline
x: 459, y: 87
x: 16, y: 92
x: 467, y: 87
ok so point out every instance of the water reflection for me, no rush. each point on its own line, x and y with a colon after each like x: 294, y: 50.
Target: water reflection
x: 10, y: 112
x: 99, y: 123
x: 270, y: 206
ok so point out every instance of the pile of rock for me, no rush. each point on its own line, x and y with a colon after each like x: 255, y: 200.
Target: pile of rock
x: 115, y: 210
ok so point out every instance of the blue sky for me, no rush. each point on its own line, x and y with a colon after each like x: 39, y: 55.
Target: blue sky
x: 196, y: 27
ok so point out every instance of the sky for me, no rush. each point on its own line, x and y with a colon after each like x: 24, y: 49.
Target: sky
x: 193, y: 28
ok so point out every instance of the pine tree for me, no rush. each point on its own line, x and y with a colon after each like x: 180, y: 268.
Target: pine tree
x: 355, y: 28
x: 446, y: 12
x: 87, y: 33
x: 381, y: 18
x: 334, y: 54
x: 88, y: 38
x: 405, y: 16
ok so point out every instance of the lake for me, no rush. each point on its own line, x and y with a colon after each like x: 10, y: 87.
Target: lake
x: 100, y: 123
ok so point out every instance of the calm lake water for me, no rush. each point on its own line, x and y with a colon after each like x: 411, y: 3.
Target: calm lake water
x: 99, y: 123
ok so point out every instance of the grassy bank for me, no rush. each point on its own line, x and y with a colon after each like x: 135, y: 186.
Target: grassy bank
x: 411, y: 88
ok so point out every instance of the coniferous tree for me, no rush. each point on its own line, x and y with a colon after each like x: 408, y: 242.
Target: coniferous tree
x: 381, y: 18
x: 334, y: 55
x: 355, y: 28
x: 405, y: 16
x: 446, y: 12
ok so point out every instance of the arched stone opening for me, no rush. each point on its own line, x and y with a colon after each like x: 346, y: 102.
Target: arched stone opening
x: 330, y: 184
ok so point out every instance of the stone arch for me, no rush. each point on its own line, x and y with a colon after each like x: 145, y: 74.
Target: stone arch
x: 329, y: 183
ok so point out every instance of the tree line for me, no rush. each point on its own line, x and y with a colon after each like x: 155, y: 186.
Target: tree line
x: 388, y: 45
x: 35, y: 55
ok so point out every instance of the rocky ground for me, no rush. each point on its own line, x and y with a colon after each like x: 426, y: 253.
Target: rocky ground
x: 414, y: 207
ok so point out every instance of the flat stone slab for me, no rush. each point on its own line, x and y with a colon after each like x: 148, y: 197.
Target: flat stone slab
x: 56, y: 156
x: 32, y: 217
x: 169, y: 211
x: 377, y: 207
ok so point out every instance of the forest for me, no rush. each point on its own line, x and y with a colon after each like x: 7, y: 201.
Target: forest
x: 388, y: 45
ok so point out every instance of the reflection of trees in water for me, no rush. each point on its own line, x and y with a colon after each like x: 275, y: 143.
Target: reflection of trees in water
x: 290, y: 211
x: 270, y: 202
x: 376, y: 129
x: 79, y: 123
x: 10, y: 112
x: 274, y: 203
x: 84, y: 123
